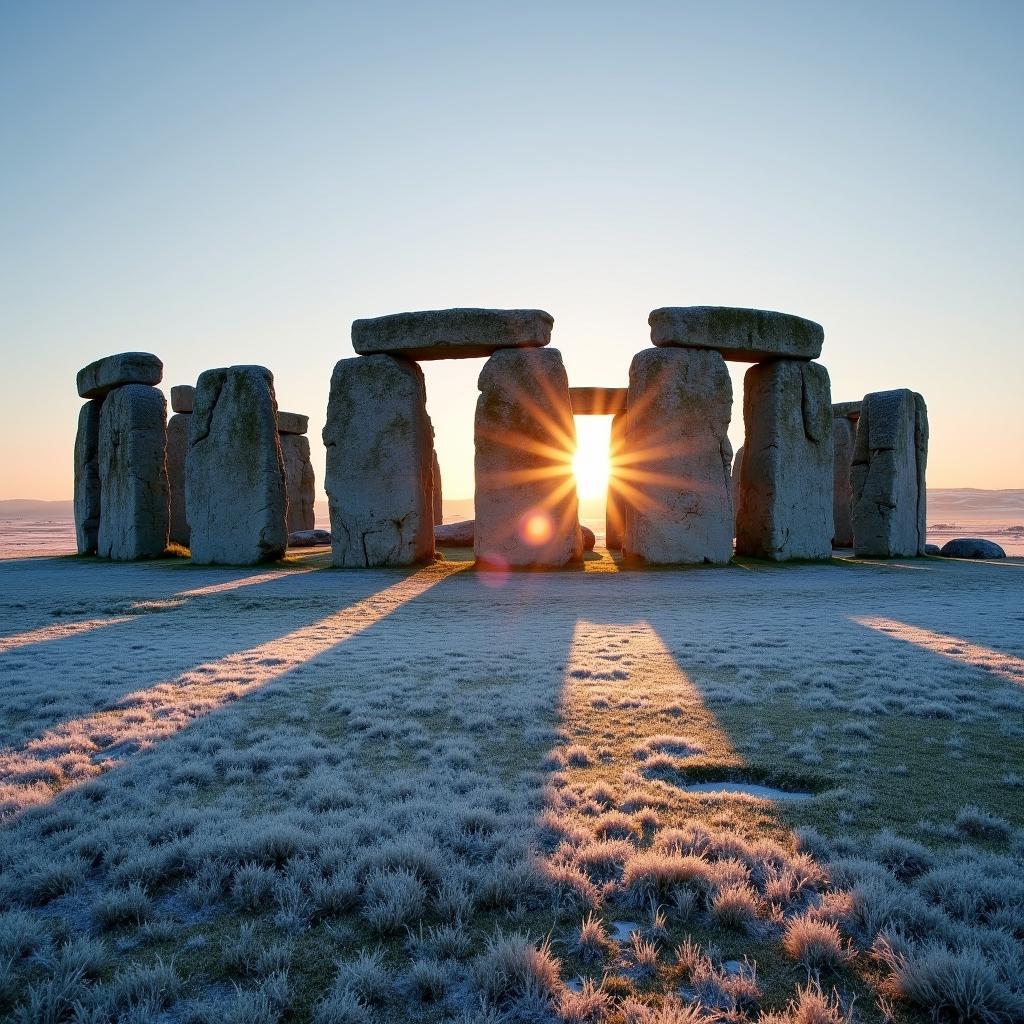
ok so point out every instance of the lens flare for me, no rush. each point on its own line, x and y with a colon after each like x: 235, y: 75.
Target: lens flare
x: 536, y: 528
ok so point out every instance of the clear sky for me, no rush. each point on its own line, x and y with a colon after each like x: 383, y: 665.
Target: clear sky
x: 223, y: 183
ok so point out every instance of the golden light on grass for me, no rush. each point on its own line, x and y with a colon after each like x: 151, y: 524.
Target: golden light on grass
x: 946, y: 646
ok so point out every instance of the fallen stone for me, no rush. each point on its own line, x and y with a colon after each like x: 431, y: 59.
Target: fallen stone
x: 452, y: 333
x: 888, y: 475
x: 844, y: 439
x: 133, y: 474
x: 178, y: 428
x: 235, y: 495
x: 309, y: 538
x: 455, y: 535
x: 87, y: 477
x: 292, y: 423
x: 379, y: 480
x: 786, y: 487
x: 746, y: 335
x: 182, y: 398
x: 435, y: 480
x: 680, y: 500
x: 525, y: 436
x: 615, y: 500
x: 299, y: 482
x: 598, y: 401
x: 102, y: 376
x: 589, y: 538
x: 971, y: 547
x: 932, y: 549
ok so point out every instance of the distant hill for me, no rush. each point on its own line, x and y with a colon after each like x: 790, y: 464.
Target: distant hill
x: 30, y: 508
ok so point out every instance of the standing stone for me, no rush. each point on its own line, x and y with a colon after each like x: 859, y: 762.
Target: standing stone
x: 292, y: 423
x: 178, y: 428
x: 786, y: 484
x: 87, y: 477
x: 680, y: 500
x: 235, y: 495
x: 379, y: 443
x: 615, y: 501
x: 737, y: 470
x: 888, y: 475
x: 435, y: 477
x: 133, y: 474
x: 526, y: 508
x: 844, y: 435
x: 299, y: 482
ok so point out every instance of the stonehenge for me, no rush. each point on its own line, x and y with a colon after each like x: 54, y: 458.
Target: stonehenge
x: 844, y: 434
x: 120, y: 479
x: 235, y: 496
x: 379, y: 477
x: 230, y: 477
x: 680, y: 507
x: 888, y: 475
x: 785, y: 508
x: 526, y: 509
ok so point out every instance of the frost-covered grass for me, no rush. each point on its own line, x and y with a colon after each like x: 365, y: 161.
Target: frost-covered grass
x: 287, y: 795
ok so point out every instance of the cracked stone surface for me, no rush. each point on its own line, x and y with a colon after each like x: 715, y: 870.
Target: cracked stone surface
x: 676, y: 474
x: 379, y: 464
x: 786, y: 485
x: 525, y: 437
x: 234, y: 475
x: 87, y: 477
x: 888, y: 475
x: 133, y: 474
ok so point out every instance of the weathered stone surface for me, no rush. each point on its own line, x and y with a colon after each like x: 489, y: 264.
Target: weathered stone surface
x: 844, y: 439
x: 435, y: 481
x: 737, y: 475
x: 452, y: 333
x: 133, y: 474
x: 526, y: 508
x: 292, y: 423
x: 178, y: 429
x: 851, y: 410
x: 379, y: 479
x: 786, y: 482
x: 888, y: 475
x: 680, y: 501
x: 598, y: 401
x: 182, y: 398
x: 234, y: 473
x: 746, y: 335
x: 87, y: 477
x: 589, y: 538
x: 971, y: 547
x: 932, y: 549
x: 615, y: 501
x: 455, y: 535
x: 102, y: 376
x: 309, y: 538
x: 299, y: 482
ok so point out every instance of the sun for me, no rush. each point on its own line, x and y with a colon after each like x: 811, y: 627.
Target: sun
x: 590, y: 463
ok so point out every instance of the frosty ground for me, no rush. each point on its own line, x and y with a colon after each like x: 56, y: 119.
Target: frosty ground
x: 297, y: 793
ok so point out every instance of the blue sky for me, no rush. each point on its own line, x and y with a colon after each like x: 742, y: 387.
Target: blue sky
x: 223, y: 183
